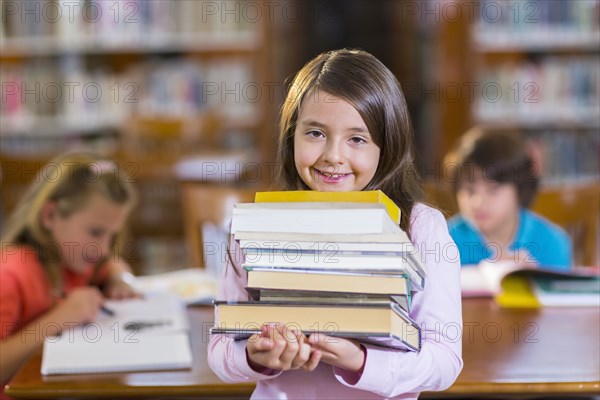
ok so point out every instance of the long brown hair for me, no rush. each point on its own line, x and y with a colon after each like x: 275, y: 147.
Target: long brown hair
x: 370, y: 87
x: 68, y: 180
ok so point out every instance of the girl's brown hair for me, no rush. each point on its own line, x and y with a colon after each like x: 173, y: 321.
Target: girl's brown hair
x: 500, y: 155
x: 68, y: 180
x: 360, y: 79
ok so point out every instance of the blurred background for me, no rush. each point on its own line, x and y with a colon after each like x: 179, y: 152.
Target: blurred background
x: 185, y: 94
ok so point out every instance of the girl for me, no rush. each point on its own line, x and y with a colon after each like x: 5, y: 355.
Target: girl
x: 496, y: 182
x: 57, y: 244
x: 345, y: 126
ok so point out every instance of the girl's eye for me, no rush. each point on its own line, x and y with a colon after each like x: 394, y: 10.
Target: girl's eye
x: 315, y: 134
x: 96, y: 232
x: 357, y: 140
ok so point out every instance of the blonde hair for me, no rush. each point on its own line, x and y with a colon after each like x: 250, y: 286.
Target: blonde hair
x: 69, y: 181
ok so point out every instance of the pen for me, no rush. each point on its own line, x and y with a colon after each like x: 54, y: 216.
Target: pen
x: 107, y: 311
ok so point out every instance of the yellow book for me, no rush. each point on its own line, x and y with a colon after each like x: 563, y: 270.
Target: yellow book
x: 516, y: 293
x: 367, y: 196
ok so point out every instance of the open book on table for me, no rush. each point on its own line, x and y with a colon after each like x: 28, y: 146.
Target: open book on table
x: 191, y: 285
x: 518, y: 285
x: 145, y: 334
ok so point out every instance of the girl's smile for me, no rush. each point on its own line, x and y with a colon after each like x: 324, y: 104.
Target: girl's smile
x: 328, y: 177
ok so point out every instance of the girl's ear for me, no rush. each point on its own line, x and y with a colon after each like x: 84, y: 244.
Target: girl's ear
x: 48, y: 215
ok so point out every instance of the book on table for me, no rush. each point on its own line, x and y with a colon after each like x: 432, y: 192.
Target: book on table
x: 530, y: 286
x: 308, y: 286
x: 144, y: 334
x: 567, y: 291
x: 360, y: 321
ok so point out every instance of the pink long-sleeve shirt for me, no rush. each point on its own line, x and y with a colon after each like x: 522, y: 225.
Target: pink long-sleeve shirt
x: 388, y: 373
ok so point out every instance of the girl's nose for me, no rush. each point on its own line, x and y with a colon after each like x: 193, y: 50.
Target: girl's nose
x: 104, y: 247
x: 333, y: 153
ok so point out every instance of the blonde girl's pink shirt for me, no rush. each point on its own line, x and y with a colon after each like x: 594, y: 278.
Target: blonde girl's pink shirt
x: 388, y: 373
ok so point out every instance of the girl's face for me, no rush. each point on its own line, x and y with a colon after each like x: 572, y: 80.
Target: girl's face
x: 86, y: 236
x: 490, y: 205
x: 333, y: 150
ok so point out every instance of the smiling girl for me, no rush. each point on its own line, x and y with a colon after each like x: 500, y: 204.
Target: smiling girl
x: 345, y: 126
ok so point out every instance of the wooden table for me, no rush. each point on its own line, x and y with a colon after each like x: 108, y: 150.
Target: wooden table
x: 524, y: 352
x: 512, y: 353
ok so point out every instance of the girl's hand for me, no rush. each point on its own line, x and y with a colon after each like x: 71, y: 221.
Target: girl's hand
x: 119, y: 289
x: 79, y: 307
x: 281, y: 348
x: 344, y: 353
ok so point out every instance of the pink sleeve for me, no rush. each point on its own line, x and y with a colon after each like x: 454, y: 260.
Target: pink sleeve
x: 437, y: 309
x: 226, y: 357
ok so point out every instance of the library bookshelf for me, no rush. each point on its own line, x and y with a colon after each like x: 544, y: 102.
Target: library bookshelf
x: 529, y: 66
x: 145, y: 83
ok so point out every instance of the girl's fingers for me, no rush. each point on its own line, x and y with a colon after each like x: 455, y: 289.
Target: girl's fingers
x: 259, y: 342
x: 313, y: 361
x: 263, y: 344
x: 303, y: 354
x: 291, y: 347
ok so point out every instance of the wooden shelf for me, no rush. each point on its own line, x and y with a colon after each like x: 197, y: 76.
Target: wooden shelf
x: 506, y: 122
x: 542, y: 42
x: 57, y: 126
x: 53, y: 46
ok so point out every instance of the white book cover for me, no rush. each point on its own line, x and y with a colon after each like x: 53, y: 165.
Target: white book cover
x: 315, y: 217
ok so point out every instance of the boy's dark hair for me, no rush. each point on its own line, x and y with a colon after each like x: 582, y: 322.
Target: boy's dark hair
x: 500, y: 155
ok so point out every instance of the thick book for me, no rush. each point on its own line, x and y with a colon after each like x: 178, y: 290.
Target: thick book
x: 360, y: 321
x: 567, y: 291
x: 375, y: 242
x: 512, y: 285
x: 146, y: 334
x: 365, y: 262
x: 310, y: 297
x: 314, y: 287
x: 327, y: 218
x: 306, y: 196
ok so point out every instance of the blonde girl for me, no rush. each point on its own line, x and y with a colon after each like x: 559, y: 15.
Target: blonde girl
x: 58, y: 249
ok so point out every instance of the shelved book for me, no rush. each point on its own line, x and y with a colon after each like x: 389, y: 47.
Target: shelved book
x: 361, y: 321
x: 306, y: 286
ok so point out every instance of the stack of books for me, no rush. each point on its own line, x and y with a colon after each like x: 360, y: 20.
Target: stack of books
x: 335, y: 263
